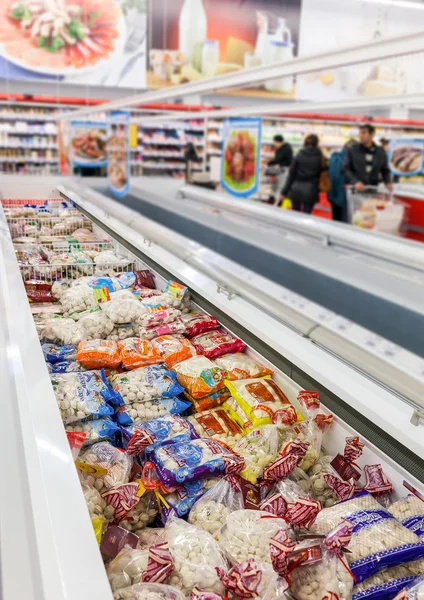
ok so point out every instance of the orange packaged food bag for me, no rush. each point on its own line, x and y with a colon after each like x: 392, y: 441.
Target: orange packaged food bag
x: 138, y: 352
x: 200, y: 376
x: 242, y: 366
x: 174, y: 348
x: 95, y: 354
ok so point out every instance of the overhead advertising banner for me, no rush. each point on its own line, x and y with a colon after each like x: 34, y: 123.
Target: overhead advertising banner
x: 88, y: 144
x: 241, y: 151
x: 406, y: 157
x: 90, y: 42
x: 118, y: 153
x: 195, y: 39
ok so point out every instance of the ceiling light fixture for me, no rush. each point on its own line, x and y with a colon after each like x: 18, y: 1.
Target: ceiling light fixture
x: 417, y: 4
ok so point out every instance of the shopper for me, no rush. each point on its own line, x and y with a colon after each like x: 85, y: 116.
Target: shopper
x: 302, y: 186
x: 385, y: 144
x: 283, y: 153
x: 365, y: 162
x: 337, y: 194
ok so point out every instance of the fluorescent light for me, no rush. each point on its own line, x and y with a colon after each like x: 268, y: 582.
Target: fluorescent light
x: 397, y: 3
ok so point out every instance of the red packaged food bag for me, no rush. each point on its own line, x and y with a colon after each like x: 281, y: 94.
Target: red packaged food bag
x: 144, y: 278
x: 197, y: 323
x: 216, y: 343
x: 96, y: 354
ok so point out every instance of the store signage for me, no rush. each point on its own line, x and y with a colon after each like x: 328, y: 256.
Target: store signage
x: 241, y: 156
x: 406, y: 157
x: 88, y: 144
x: 118, y: 152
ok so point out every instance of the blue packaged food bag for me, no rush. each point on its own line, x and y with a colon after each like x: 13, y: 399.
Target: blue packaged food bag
x: 181, y: 501
x: 129, y: 414
x: 96, y: 431
x: 54, y: 354
x: 67, y: 366
x: 142, y: 436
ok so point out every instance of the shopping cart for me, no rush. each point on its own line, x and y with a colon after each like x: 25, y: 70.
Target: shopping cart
x: 377, y: 210
x: 277, y: 177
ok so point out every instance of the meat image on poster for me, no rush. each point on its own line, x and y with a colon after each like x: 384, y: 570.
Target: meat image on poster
x: 406, y: 157
x: 118, y: 153
x: 91, y: 42
x: 194, y: 39
x: 241, y: 146
x: 88, y: 146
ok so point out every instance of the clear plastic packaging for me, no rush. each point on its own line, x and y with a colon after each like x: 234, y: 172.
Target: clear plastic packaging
x: 103, y: 455
x: 201, y: 405
x: 138, y: 412
x: 247, y: 534
x: 146, y: 383
x: 410, y: 512
x: 175, y: 327
x: 138, y: 352
x: 55, y: 354
x: 378, y: 541
x: 96, y: 508
x: 140, y: 437
x: 123, y: 310
x: 197, y: 323
x: 217, y: 425
x: 210, y: 512
x: 288, y: 500
x: 156, y: 318
x: 126, y: 507
x: 149, y: 591
x: 67, y: 366
x: 99, y: 430
x: 174, y: 348
x: 60, y: 331
x: 259, y: 448
x: 180, y: 501
x: 175, y: 295
x: 241, y: 366
x: 77, y: 299
x: 127, y: 568
x: 82, y: 395
x: 96, y: 354
x: 95, y: 326
x: 390, y: 582
x: 217, y: 343
x: 200, y: 377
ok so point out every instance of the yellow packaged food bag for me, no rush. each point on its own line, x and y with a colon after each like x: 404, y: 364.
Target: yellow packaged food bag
x: 261, y: 401
x: 287, y: 204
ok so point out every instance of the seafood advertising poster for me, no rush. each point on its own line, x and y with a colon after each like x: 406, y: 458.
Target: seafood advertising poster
x: 88, y: 42
x: 241, y: 148
x: 406, y: 157
x: 89, y: 144
x: 118, y: 153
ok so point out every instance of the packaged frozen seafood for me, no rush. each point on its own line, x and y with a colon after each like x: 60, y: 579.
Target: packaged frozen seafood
x: 82, y: 395
x: 138, y: 352
x: 241, y: 366
x: 217, y: 343
x: 133, y: 508
x: 180, y: 501
x: 123, y: 310
x: 200, y: 377
x: 66, y: 366
x: 410, y: 512
x: 137, y: 412
x: 113, y: 284
x: 140, y: 437
x: 217, y: 425
x: 149, y: 591
x: 127, y: 568
x: 171, y: 328
x: 210, y: 512
x: 390, y: 582
x: 197, y: 323
x: 99, y: 430
x: 96, y: 354
x: 144, y: 279
x: 259, y: 448
x: 103, y: 466
x: 77, y: 299
x: 123, y: 332
x: 96, y: 508
x: 94, y: 326
x: 202, y: 405
x: 157, y: 316
x: 60, y: 331
x: 145, y: 383
x: 174, y: 348
x: 180, y: 462
x: 174, y: 295
x: 55, y: 354
x: 288, y: 500
x: 378, y: 540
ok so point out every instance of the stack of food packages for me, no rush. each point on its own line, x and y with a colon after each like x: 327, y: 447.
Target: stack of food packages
x: 201, y: 477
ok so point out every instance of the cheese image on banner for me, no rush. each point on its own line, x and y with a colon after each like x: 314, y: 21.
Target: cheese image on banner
x: 241, y: 149
x: 118, y: 153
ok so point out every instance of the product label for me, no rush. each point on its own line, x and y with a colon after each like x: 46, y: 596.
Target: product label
x: 210, y: 424
x: 344, y: 468
x: 90, y: 469
x: 101, y: 295
x: 251, y: 494
x: 368, y: 518
x: 230, y: 425
x: 415, y: 524
x: 115, y: 538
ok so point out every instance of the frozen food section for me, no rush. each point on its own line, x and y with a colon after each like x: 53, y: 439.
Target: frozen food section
x: 47, y: 522
x: 374, y: 280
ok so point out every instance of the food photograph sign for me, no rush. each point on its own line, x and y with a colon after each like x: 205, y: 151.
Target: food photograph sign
x: 406, y: 157
x: 88, y: 145
x: 241, y: 148
x: 118, y: 153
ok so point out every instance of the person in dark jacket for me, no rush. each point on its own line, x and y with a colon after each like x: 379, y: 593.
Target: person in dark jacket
x: 283, y: 153
x: 302, y: 186
x: 337, y: 194
x: 365, y: 162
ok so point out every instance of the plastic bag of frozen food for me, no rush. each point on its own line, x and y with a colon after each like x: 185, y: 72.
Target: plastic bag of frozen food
x: 217, y: 343
x: 180, y: 462
x: 138, y: 352
x: 200, y: 377
x: 55, y: 354
x: 288, y: 500
x: 60, y: 331
x: 75, y: 441
x: 180, y: 501
x: 211, y: 510
x: 174, y: 348
x: 140, y: 437
x: 149, y: 591
x: 95, y: 431
x: 208, y: 402
x: 217, y: 425
x: 145, y: 383
x: 96, y: 507
x: 157, y: 317
x: 127, y: 568
x: 175, y: 295
x: 82, y: 395
x: 66, y: 366
x: 259, y: 448
x: 255, y: 579
x: 95, y: 326
x: 102, y: 466
x: 410, y: 512
x: 77, y: 299
x: 137, y: 412
x: 261, y: 400
x: 144, y: 278
x: 386, y: 584
x: 242, y: 366
x: 176, y: 327
x: 197, y: 323
x: 108, y: 260
x: 123, y: 331
x: 131, y: 506
x: 96, y: 354
x: 113, y: 284
x: 378, y: 539
x: 123, y: 310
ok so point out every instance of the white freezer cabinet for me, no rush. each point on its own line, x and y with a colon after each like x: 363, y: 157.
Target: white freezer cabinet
x: 48, y: 549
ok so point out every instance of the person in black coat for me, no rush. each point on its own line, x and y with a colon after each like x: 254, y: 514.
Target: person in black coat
x: 283, y: 153
x: 365, y: 163
x: 302, y: 185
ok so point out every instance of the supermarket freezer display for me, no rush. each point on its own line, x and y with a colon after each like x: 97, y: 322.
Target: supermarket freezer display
x: 392, y: 442
x: 372, y: 279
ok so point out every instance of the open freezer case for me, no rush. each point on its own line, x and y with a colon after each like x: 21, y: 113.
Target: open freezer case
x: 57, y: 548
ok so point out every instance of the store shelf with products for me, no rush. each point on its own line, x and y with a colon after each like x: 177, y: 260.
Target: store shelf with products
x: 66, y: 561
